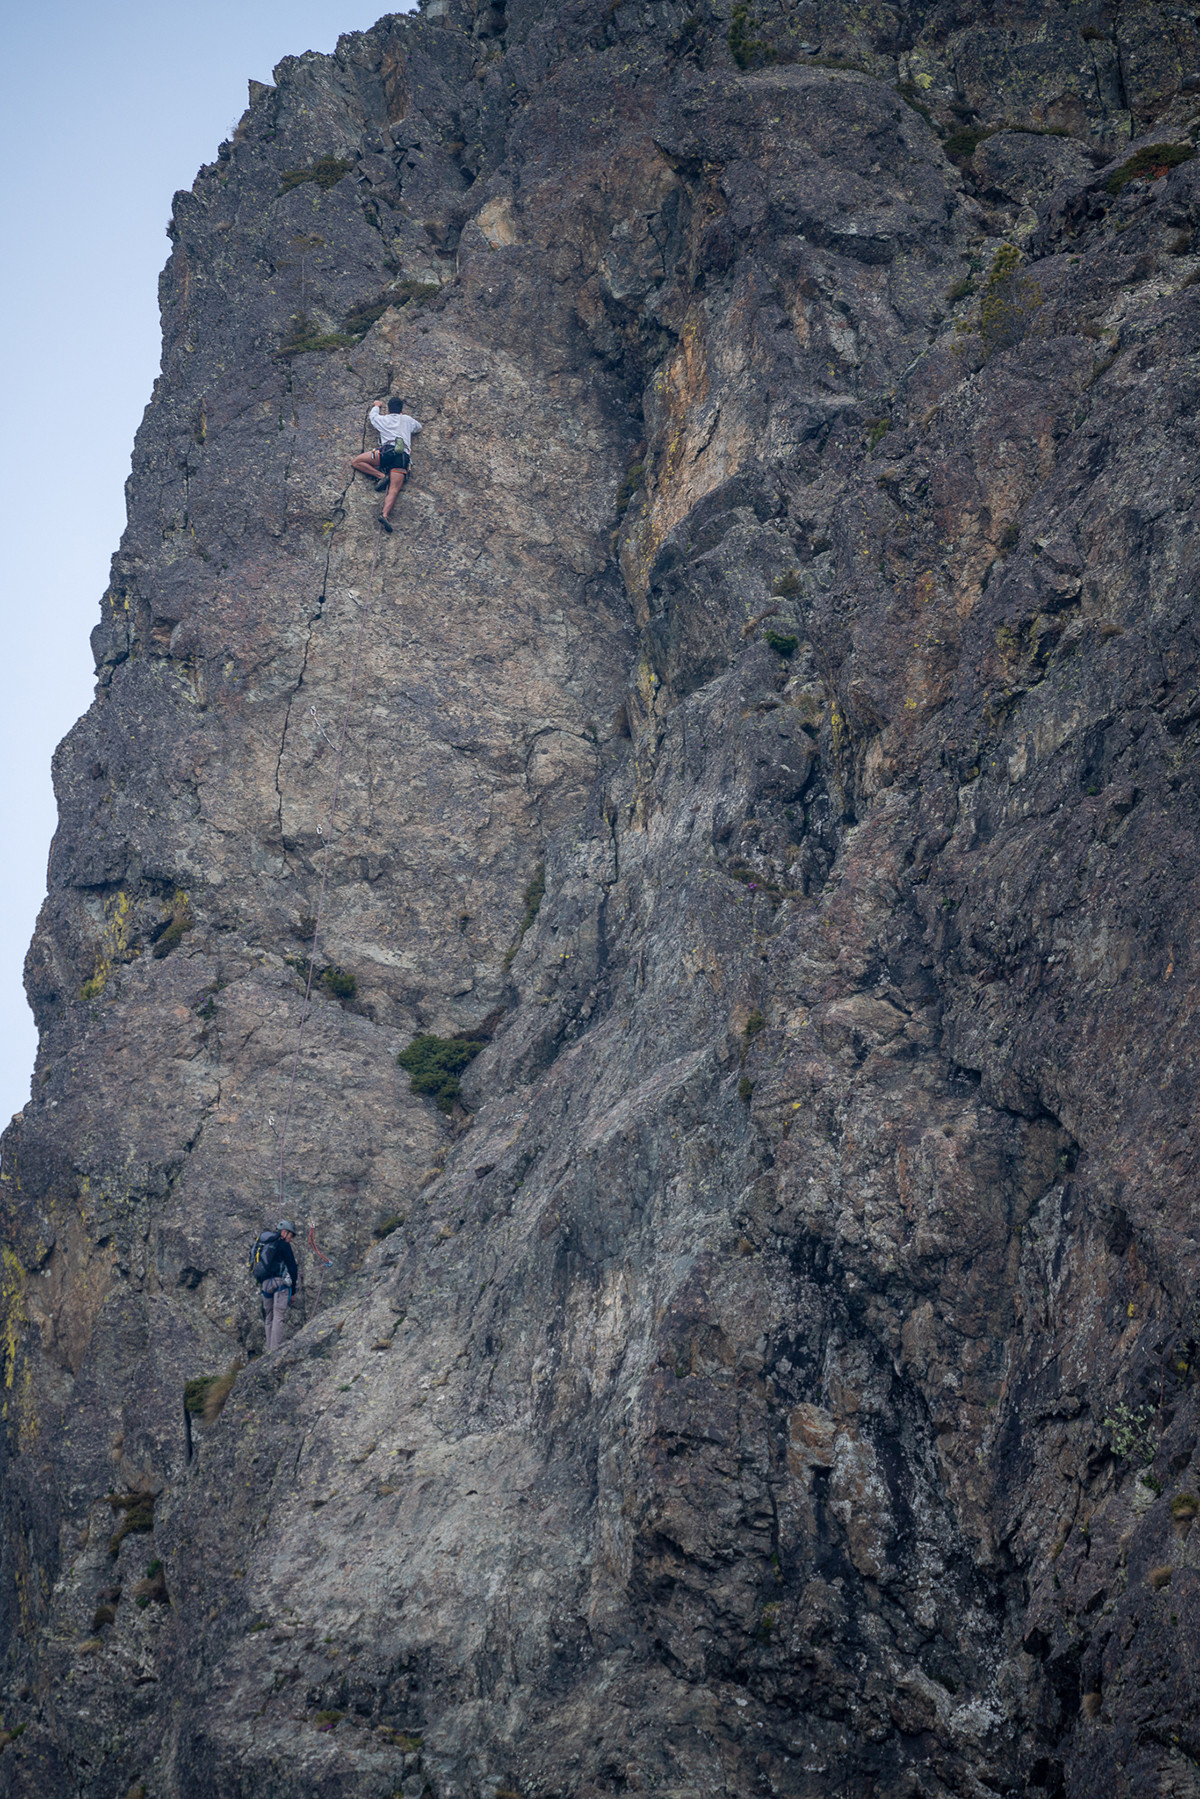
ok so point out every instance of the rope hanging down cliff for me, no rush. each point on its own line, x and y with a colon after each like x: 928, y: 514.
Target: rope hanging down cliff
x: 327, y: 841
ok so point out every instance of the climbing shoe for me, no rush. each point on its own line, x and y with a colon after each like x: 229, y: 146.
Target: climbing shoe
x: 386, y: 526
x: 381, y: 486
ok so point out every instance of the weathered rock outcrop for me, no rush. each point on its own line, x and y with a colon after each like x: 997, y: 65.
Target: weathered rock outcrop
x: 772, y: 730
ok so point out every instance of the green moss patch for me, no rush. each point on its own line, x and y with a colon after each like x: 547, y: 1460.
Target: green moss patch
x: 782, y: 642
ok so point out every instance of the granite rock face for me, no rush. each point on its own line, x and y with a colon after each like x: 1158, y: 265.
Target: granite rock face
x: 770, y: 733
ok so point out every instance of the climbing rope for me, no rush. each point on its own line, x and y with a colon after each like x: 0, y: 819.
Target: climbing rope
x: 327, y: 841
x: 324, y: 1263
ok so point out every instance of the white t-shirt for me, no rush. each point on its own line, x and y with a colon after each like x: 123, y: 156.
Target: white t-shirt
x: 393, y: 425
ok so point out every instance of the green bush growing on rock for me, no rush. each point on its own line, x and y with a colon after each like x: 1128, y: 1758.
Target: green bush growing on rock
x: 1008, y: 302
x: 337, y: 982
x: 534, y: 895
x: 755, y: 1023
x: 205, y: 1396
x: 138, y: 1515
x: 961, y: 146
x: 435, y: 1063
x: 1130, y: 1434
x: 326, y: 172
x: 744, y: 47
x: 633, y: 480
x: 1153, y: 161
x: 787, y: 585
x: 153, y: 1588
x: 782, y: 642
x: 195, y: 1392
x: 416, y: 291
x: 181, y: 923
x: 307, y: 340
x: 359, y: 319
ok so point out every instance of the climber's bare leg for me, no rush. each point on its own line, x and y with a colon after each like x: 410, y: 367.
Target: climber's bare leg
x: 367, y: 464
x: 395, y: 483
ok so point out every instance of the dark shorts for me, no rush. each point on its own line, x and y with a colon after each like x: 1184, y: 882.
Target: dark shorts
x: 394, y: 456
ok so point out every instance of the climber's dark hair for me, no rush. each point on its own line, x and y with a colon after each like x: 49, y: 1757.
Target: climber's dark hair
x: 395, y: 405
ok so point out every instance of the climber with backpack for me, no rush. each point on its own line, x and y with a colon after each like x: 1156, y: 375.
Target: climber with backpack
x: 393, y: 459
x: 273, y: 1265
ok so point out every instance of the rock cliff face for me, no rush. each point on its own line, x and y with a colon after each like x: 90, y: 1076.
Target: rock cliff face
x: 772, y: 732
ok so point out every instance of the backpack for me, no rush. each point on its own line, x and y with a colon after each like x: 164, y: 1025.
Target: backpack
x: 264, y: 1256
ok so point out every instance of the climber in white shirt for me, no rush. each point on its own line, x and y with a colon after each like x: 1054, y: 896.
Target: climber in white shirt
x: 391, y: 461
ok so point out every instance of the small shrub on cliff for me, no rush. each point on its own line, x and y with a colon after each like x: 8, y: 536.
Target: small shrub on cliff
x: 1150, y: 163
x: 1008, y: 303
x: 745, y: 48
x: 205, y: 1396
x: 327, y: 171
x: 153, y: 1589
x: 1130, y: 1434
x: 629, y: 486
x: 337, y: 982
x: 435, y: 1063
x: 782, y: 642
x: 961, y: 146
x: 195, y: 1392
x: 359, y: 319
x: 419, y: 292
x: 181, y: 922
x: 535, y: 893
x: 307, y: 340
x: 138, y: 1515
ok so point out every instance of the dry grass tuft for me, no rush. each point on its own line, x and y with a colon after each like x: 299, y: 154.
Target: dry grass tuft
x: 219, y: 1391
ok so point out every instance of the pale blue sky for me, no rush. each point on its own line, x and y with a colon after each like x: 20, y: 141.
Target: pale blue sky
x: 108, y: 109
